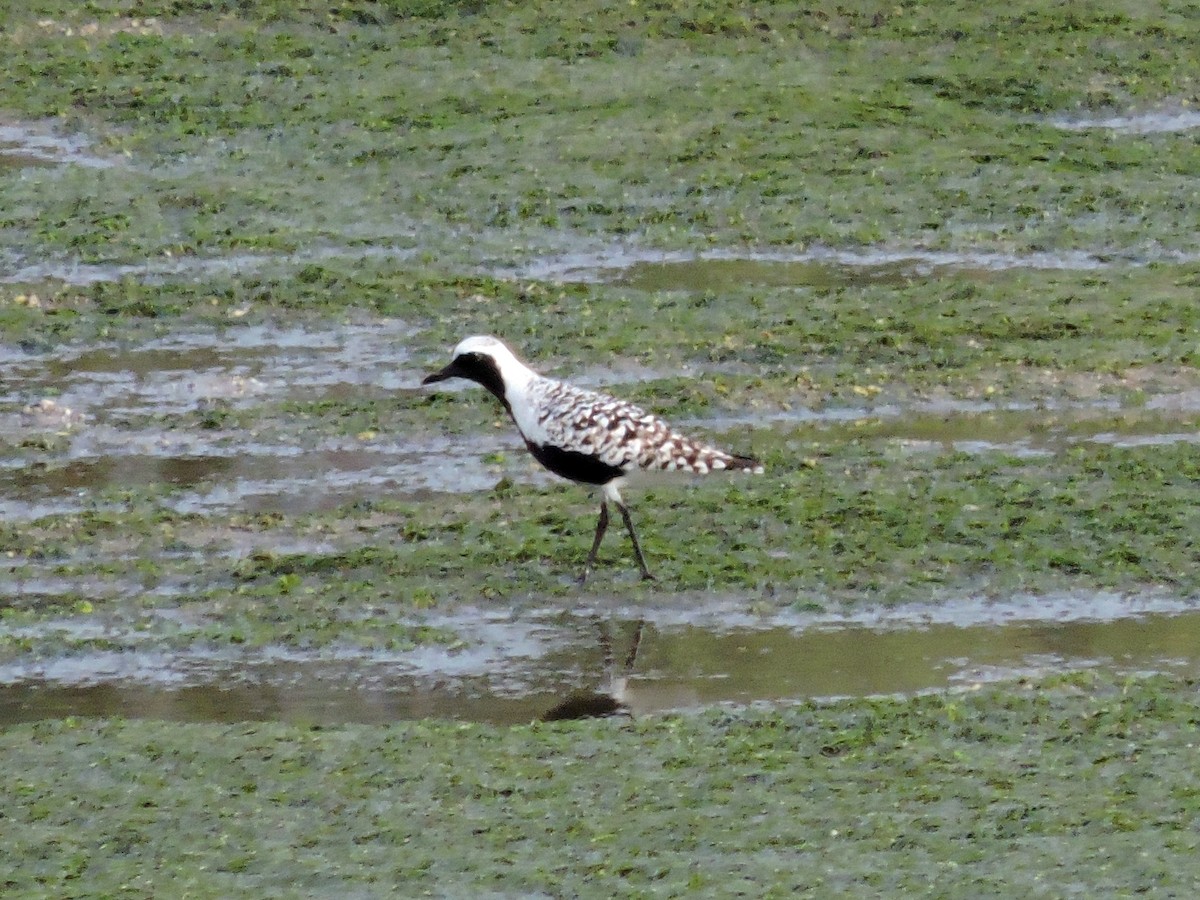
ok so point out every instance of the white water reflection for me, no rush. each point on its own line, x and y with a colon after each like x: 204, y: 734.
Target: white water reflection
x: 650, y: 269
x: 638, y: 267
x: 1149, y: 122
x: 165, y: 268
x: 26, y: 143
x: 238, y: 366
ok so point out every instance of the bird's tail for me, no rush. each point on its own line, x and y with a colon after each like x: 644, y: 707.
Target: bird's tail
x: 700, y: 460
x: 673, y: 452
x: 743, y: 464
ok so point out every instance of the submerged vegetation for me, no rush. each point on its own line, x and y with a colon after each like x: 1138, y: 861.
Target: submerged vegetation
x: 1026, y: 788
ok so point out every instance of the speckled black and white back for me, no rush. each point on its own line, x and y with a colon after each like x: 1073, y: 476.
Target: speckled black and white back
x: 619, y: 433
x: 580, y: 434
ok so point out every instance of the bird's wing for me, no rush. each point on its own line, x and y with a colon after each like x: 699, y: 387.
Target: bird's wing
x: 618, y: 433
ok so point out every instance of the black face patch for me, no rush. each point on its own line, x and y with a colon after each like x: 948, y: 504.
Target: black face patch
x: 477, y: 367
x: 581, y: 467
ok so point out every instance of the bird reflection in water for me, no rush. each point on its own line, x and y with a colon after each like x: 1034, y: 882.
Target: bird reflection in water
x: 610, y: 700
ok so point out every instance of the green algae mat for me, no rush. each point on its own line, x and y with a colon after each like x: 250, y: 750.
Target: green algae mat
x: 936, y: 263
x: 1040, y: 790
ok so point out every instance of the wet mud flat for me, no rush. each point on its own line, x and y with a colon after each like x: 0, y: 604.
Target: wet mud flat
x: 87, y: 425
x: 84, y: 420
x: 952, y: 305
x: 514, y: 670
x: 193, y: 520
x: 824, y: 791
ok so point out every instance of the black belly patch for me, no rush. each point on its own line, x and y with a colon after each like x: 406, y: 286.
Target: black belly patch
x: 574, y: 465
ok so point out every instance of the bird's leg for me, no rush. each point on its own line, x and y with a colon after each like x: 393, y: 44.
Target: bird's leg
x: 619, y: 684
x: 606, y: 644
x: 631, y: 656
x: 606, y: 648
x: 601, y: 527
x: 637, y: 549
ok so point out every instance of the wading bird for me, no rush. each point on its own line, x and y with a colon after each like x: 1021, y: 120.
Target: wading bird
x: 583, y: 435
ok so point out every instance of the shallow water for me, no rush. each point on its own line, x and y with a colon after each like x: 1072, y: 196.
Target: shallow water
x: 109, y: 409
x: 112, y: 412
x: 238, y: 366
x: 1163, y: 121
x: 646, y: 269
x: 814, y: 266
x: 40, y: 145
x: 515, y: 669
x: 168, y: 268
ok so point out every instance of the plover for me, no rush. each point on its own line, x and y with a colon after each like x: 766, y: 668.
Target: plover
x: 611, y: 699
x: 583, y: 435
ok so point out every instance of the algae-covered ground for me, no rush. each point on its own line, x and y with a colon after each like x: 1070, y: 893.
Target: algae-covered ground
x: 1077, y: 786
x: 935, y: 263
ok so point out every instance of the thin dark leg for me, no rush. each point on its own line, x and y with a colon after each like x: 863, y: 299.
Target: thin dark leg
x: 606, y: 644
x: 631, y: 657
x: 637, y: 549
x: 601, y: 527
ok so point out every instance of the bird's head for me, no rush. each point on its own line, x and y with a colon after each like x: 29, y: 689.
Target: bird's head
x: 486, y: 360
